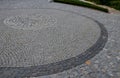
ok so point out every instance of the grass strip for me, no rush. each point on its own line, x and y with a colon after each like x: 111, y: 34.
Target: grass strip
x: 81, y: 3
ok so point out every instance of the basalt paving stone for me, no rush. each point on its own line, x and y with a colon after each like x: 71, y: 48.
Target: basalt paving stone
x: 37, y: 42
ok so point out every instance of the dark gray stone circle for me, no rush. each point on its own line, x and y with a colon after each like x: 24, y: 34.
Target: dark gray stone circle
x: 52, y: 68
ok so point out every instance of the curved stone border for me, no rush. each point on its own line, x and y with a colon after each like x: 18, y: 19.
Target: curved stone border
x: 33, y: 71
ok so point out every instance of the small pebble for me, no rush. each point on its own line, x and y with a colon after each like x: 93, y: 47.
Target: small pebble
x: 118, y: 58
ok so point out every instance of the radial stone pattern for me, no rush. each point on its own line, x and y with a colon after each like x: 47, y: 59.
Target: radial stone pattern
x: 46, y: 41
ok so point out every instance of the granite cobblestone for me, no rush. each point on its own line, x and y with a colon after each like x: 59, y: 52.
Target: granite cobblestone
x: 104, y: 65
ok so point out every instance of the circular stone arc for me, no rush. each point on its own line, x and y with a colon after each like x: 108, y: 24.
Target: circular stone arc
x: 60, y: 66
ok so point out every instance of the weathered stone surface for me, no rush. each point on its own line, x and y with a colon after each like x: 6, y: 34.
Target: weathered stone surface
x: 38, y: 37
x: 106, y: 63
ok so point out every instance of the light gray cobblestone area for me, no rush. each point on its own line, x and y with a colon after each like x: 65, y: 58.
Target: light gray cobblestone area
x: 106, y: 64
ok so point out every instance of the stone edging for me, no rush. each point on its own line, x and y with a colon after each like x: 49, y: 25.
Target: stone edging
x: 60, y: 66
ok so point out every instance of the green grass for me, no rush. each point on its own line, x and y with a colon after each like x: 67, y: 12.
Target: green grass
x: 115, y: 4
x: 81, y: 3
x: 111, y: 3
x: 95, y: 1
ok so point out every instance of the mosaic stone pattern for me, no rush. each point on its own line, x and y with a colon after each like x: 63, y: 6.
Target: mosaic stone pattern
x: 35, y: 45
x: 27, y: 46
x: 29, y: 22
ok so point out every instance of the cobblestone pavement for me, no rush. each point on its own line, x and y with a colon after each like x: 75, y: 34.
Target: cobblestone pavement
x: 106, y: 64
